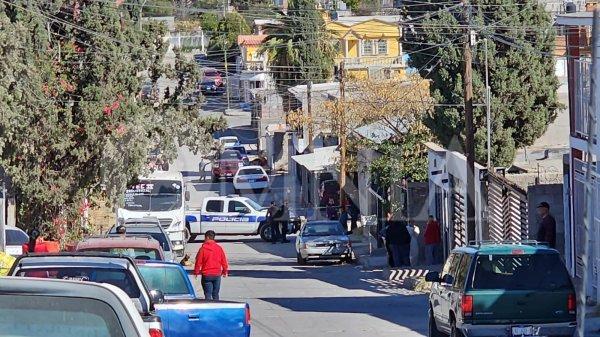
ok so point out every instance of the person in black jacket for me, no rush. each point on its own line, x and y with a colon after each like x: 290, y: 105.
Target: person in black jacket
x: 272, y: 214
x: 399, y: 238
x: 282, y: 218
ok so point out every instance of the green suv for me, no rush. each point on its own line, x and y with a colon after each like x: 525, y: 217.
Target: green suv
x: 502, y: 289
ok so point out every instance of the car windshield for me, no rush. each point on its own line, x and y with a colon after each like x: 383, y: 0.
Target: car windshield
x: 15, y: 237
x: 154, y: 195
x: 135, y: 253
x: 54, y: 316
x: 256, y: 206
x: 120, y: 278
x: 167, y: 279
x: 248, y: 171
x: 230, y: 155
x: 211, y: 73
x: 153, y: 231
x: 520, y: 272
x: 322, y: 229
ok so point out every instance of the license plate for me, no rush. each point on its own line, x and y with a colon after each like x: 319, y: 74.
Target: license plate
x: 518, y: 331
x: 251, y: 180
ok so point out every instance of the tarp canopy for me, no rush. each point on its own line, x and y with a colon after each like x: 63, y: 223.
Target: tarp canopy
x: 321, y: 159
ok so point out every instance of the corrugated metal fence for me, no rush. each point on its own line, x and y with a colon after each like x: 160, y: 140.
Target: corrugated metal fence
x: 507, y: 210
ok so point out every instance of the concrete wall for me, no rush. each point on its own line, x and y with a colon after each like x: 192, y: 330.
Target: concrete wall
x: 553, y: 195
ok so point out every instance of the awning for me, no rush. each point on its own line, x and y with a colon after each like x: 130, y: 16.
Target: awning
x: 322, y: 159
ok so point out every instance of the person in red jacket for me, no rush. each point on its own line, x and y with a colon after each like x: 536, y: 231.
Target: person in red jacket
x: 211, y: 263
x: 36, y: 243
x: 432, y: 239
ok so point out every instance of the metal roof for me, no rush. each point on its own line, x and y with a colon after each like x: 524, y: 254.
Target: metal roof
x: 322, y: 159
x: 575, y: 19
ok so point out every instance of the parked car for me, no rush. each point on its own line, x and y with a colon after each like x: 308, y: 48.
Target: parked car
x: 211, y: 74
x: 251, y: 178
x: 32, y: 307
x: 139, y: 248
x: 229, y: 141
x: 502, y: 289
x: 209, y: 86
x: 204, y: 318
x: 242, y: 150
x: 323, y: 240
x: 120, y: 271
x: 330, y: 189
x: 145, y: 229
x: 15, y: 239
x: 226, y: 164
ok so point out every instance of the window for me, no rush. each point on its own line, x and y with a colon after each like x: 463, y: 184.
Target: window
x: 521, y: 272
x: 53, y: 316
x: 237, y: 207
x: 135, y: 253
x: 322, y: 229
x: 251, y: 171
x: 367, y: 47
x: 169, y: 280
x: 214, y: 206
x: 15, y: 237
x: 448, y: 265
x: 382, y: 47
x: 462, y: 271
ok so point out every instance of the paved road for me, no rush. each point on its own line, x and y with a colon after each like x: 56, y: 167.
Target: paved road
x: 321, y: 300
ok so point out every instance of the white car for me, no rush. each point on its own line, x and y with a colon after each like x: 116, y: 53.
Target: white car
x: 229, y: 141
x: 15, y: 238
x: 250, y: 178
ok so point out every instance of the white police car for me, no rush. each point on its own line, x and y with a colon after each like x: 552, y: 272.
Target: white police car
x: 229, y: 215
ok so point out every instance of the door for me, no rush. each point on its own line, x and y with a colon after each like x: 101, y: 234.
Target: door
x: 437, y: 289
x: 214, y: 217
x: 457, y: 290
x: 240, y: 219
x: 446, y: 290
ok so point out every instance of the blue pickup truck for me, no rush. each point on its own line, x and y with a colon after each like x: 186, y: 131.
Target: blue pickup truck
x: 183, y: 314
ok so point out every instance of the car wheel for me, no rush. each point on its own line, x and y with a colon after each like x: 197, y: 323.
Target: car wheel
x: 454, y: 331
x: 215, y: 179
x: 190, y: 237
x: 433, y: 330
x: 300, y: 259
x: 348, y: 259
x: 265, y: 232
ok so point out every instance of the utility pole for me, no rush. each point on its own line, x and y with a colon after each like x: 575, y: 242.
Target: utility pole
x: 140, y: 14
x: 311, y: 144
x: 342, y: 136
x: 226, y: 76
x: 469, y: 129
x: 488, y: 107
x: 593, y: 112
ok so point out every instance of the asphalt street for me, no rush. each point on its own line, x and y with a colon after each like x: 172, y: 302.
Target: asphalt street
x: 321, y: 299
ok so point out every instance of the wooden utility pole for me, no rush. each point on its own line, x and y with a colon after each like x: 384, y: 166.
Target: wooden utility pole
x: 342, y: 136
x: 226, y: 77
x: 311, y: 135
x: 469, y: 129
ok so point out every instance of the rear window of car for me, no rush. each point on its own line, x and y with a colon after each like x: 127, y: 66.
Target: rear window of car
x: 169, y: 280
x: 520, y: 272
x: 135, y: 253
x: 214, y: 206
x: 141, y: 231
x: 230, y: 155
x: 211, y: 73
x: 15, y: 237
x: 322, y: 229
x: 120, y: 278
x: 250, y: 171
x: 240, y: 149
x: 54, y: 316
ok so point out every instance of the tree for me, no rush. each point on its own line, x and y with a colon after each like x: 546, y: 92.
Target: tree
x: 300, y: 49
x: 71, y: 122
x: 224, y: 39
x: 523, y: 84
x: 209, y: 22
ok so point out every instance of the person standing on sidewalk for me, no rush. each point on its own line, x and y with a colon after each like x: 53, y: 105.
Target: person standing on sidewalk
x: 399, y: 238
x: 271, y: 220
x: 432, y: 239
x: 547, y: 226
x: 283, y: 220
x: 211, y: 264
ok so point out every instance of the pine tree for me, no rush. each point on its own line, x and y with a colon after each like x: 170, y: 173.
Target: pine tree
x: 522, y: 79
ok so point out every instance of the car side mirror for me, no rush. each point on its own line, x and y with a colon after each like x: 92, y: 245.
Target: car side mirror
x: 448, y: 279
x: 187, y: 195
x: 157, y: 297
x: 432, y: 276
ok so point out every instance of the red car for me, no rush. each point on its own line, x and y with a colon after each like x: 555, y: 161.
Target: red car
x: 227, y: 164
x: 211, y: 74
x: 330, y: 189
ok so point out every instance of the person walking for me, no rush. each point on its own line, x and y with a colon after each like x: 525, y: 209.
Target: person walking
x: 547, y: 225
x: 283, y: 220
x: 399, y: 238
x: 271, y: 220
x: 331, y: 210
x: 432, y: 239
x: 211, y: 264
x: 344, y: 219
x: 354, y: 213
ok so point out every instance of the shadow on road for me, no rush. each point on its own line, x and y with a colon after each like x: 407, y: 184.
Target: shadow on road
x: 406, y: 311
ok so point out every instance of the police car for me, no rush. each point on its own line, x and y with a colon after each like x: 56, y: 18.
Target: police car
x: 229, y: 215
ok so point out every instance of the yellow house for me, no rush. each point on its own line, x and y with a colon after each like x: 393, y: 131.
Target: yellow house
x: 251, y: 58
x: 369, y: 45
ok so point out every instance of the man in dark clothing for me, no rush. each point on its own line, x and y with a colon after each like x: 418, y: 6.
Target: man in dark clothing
x: 282, y: 218
x: 399, y: 239
x: 354, y: 213
x: 272, y: 221
x: 547, y: 226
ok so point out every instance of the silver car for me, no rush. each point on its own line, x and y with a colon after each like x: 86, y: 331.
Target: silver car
x: 323, y: 240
